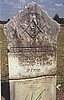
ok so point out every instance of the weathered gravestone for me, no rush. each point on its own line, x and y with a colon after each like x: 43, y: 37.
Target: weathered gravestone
x: 32, y: 39
x: 34, y: 89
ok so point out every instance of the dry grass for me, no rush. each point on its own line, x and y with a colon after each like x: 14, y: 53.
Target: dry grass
x: 60, y: 65
x: 60, y: 58
x: 3, y: 53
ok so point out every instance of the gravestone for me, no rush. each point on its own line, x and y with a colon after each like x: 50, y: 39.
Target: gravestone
x: 34, y: 89
x: 32, y: 39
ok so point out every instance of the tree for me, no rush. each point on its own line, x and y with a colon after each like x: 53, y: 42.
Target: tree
x: 56, y: 18
x: 8, y: 20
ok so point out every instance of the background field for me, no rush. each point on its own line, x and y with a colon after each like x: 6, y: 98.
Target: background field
x: 60, y: 60
x: 60, y: 64
x: 60, y: 56
x: 4, y: 57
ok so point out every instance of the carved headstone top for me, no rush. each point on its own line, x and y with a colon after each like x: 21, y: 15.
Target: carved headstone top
x: 32, y: 38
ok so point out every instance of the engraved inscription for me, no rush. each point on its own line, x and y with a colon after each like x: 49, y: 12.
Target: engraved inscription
x: 32, y: 39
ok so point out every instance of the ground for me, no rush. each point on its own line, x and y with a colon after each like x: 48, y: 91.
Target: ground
x: 60, y: 64
x: 4, y: 58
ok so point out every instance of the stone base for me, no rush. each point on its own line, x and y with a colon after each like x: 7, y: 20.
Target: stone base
x: 43, y: 88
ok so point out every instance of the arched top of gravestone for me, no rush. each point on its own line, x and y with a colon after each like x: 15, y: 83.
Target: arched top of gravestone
x: 32, y: 20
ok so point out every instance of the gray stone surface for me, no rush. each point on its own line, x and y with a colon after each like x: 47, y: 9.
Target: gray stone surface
x: 32, y: 39
x: 43, y: 88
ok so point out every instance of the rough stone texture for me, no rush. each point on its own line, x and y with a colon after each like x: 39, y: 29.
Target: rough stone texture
x: 32, y: 38
x: 43, y: 88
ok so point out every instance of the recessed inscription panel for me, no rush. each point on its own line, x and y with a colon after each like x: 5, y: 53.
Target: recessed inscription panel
x: 32, y: 38
x: 31, y: 62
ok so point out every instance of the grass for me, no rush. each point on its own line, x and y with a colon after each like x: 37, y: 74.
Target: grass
x: 3, y: 53
x: 60, y: 57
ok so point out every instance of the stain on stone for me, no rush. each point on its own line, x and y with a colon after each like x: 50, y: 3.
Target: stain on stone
x: 32, y: 37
